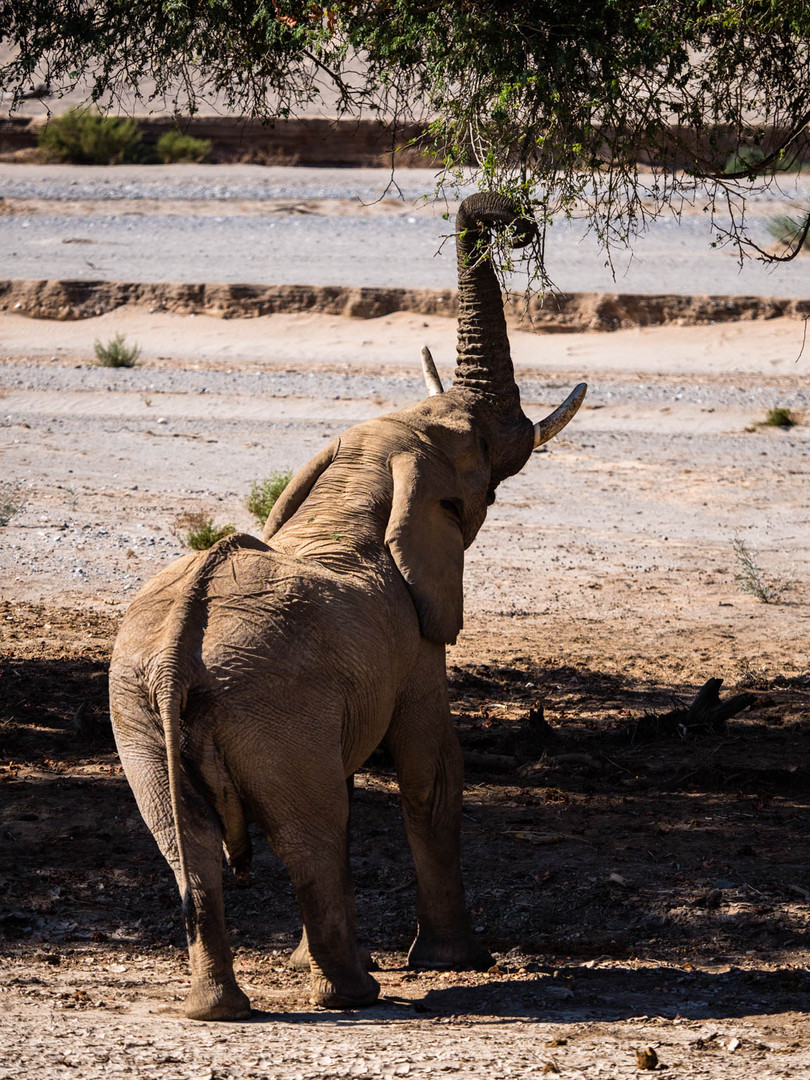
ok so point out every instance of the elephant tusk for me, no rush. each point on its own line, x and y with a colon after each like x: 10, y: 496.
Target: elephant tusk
x: 432, y: 380
x: 548, y: 428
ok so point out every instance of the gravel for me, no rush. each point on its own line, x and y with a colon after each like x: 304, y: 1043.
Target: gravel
x: 362, y: 388
x: 172, y: 243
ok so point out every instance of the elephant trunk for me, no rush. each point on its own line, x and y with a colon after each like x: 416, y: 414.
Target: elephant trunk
x: 484, y: 359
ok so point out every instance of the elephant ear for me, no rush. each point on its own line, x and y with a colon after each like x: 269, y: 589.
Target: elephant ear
x: 425, y: 540
x: 298, y: 489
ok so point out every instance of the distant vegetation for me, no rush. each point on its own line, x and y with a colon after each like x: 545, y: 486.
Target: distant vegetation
x: 115, y: 353
x: 751, y: 157
x: 263, y: 495
x: 174, y: 146
x: 84, y: 137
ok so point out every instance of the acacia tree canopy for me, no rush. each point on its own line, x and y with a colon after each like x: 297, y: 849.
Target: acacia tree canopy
x: 557, y: 102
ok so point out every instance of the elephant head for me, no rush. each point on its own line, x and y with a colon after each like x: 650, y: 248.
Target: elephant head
x: 417, y: 483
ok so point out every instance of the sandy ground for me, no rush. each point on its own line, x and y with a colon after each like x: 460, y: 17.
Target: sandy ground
x: 644, y: 494
x: 607, y: 563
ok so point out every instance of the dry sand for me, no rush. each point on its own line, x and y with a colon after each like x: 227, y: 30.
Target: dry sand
x: 624, y: 526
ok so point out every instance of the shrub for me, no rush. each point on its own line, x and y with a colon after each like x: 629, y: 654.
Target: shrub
x: 780, y: 417
x: 746, y: 157
x: 198, y: 531
x: 262, y: 497
x: 12, y: 501
x: 751, y: 578
x: 174, y: 146
x: 115, y: 353
x: 85, y: 137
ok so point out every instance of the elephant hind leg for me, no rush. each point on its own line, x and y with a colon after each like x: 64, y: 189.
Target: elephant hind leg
x: 306, y: 823
x: 300, y: 958
x: 214, y: 993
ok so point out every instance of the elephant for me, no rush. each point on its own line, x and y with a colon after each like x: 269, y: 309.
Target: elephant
x: 248, y: 682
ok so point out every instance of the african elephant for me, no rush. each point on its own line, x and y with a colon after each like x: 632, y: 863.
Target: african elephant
x: 249, y: 681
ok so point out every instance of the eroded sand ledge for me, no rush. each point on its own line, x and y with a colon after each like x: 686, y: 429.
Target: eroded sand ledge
x: 571, y: 312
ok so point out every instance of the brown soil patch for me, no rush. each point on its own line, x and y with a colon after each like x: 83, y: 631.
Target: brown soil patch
x: 629, y: 872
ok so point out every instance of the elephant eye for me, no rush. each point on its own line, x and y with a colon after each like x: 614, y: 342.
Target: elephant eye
x: 452, y: 506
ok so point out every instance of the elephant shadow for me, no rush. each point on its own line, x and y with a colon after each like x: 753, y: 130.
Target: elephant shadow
x: 575, y: 994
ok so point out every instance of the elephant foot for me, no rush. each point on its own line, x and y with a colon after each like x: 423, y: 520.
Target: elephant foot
x: 357, y: 994
x: 210, y: 1000
x: 300, y: 958
x: 430, y: 952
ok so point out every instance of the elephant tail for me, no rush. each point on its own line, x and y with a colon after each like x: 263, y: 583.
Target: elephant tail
x: 170, y: 687
x: 177, y: 666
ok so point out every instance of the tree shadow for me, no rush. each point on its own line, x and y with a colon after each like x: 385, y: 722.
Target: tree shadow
x: 676, y: 847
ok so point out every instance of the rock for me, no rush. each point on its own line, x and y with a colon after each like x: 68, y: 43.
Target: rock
x: 646, y: 1058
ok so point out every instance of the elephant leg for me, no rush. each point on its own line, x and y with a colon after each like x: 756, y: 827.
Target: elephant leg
x: 309, y: 832
x: 214, y: 993
x: 300, y: 959
x: 428, y: 759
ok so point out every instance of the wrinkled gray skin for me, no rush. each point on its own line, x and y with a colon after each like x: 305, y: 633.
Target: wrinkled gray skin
x: 250, y: 681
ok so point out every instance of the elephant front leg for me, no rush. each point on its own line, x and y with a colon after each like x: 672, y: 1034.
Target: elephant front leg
x: 429, y: 763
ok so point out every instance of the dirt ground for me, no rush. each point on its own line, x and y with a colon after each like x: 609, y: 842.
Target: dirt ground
x: 641, y: 874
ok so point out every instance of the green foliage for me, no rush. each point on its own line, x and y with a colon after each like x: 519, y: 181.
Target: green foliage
x: 552, y: 101
x: 115, y: 353
x: 198, y: 531
x: 263, y: 494
x: 744, y: 159
x: 85, y: 137
x: 12, y: 501
x: 174, y: 146
x: 748, y: 159
x: 780, y: 417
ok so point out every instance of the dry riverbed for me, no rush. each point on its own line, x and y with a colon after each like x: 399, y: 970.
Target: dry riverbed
x: 641, y: 886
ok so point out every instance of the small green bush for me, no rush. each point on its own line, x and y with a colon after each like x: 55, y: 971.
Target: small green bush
x: 780, y: 417
x: 263, y: 495
x: 85, y: 137
x: 114, y: 353
x: 200, y: 531
x: 174, y: 146
x: 12, y: 501
x: 746, y: 157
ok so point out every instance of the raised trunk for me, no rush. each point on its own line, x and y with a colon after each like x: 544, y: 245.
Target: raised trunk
x: 484, y: 359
